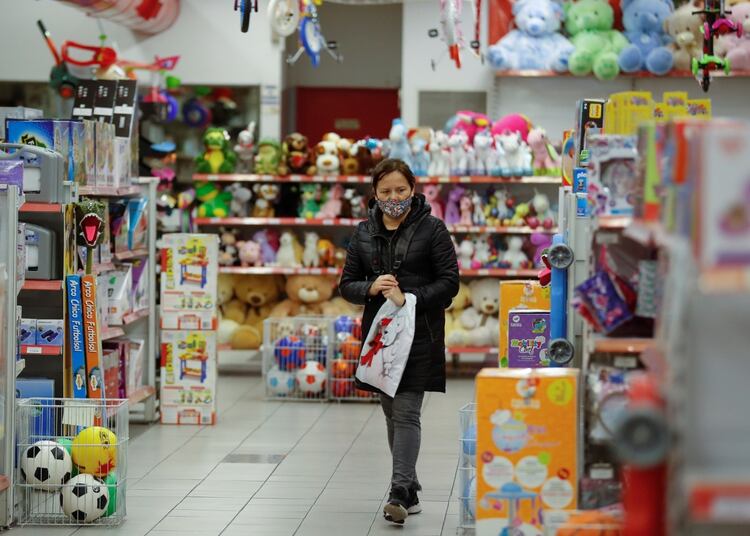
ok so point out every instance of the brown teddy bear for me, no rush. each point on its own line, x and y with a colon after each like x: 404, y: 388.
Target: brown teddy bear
x: 298, y: 154
x: 307, y: 295
x: 259, y: 294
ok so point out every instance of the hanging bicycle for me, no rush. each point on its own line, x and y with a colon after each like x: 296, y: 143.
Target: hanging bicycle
x: 245, y: 7
x: 312, y: 41
x: 452, y: 34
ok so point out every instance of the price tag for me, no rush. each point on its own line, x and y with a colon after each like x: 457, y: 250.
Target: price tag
x: 33, y: 350
x: 601, y: 472
x: 626, y: 361
x: 328, y: 222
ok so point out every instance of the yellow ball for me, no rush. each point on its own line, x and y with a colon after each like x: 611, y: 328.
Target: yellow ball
x: 94, y: 451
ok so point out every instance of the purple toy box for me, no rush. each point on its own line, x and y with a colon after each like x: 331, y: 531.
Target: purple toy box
x: 528, y: 334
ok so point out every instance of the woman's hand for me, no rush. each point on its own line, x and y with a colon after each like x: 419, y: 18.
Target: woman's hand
x: 395, y: 295
x: 382, y: 284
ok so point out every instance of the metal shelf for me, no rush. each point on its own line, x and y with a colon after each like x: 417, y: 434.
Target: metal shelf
x: 141, y: 394
x: 30, y: 349
x: 611, y: 345
x: 134, y: 316
x: 41, y: 284
x: 280, y: 270
x: 366, y: 179
x: 471, y: 350
x: 50, y: 208
x: 640, y: 74
x: 109, y: 191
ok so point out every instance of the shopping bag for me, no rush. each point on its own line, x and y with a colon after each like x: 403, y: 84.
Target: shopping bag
x: 387, y: 346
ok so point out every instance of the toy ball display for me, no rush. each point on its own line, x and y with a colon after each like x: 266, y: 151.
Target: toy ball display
x: 290, y: 353
x: 350, y: 348
x: 341, y: 368
x: 85, y: 498
x: 357, y: 328
x: 46, y: 465
x: 95, y: 451
x: 342, y: 388
x: 343, y: 324
x: 311, y: 378
x: 279, y: 382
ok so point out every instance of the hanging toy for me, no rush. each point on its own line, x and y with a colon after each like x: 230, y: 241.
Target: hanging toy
x: 90, y: 222
x: 283, y: 16
x: 311, y: 38
x: 60, y: 78
x: 716, y: 24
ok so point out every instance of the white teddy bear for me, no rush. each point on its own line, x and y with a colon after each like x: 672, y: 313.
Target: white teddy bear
x: 481, y: 320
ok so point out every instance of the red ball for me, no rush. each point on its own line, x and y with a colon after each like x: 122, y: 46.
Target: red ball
x: 350, y: 348
x: 341, y: 368
x: 548, y: 223
x: 342, y: 388
x: 532, y: 221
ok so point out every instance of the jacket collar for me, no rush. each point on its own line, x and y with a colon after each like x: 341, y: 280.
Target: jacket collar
x: 419, y: 207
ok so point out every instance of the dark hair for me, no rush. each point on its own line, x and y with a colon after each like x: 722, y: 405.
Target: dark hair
x: 389, y: 165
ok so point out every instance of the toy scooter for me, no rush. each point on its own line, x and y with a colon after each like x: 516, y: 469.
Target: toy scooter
x: 716, y: 24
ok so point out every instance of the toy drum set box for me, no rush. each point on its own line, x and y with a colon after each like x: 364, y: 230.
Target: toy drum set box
x: 527, y: 455
x: 189, y: 276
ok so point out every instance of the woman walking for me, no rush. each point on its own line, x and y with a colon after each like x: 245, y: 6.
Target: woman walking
x: 402, y: 249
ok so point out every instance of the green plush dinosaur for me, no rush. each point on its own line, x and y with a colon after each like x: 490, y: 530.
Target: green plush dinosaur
x: 597, y: 45
x: 214, y: 202
x: 218, y: 158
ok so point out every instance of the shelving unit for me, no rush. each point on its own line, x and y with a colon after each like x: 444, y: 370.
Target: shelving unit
x: 280, y: 270
x: 366, y: 179
x: 640, y: 74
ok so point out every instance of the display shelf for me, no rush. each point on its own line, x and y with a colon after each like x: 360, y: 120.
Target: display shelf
x: 366, y: 179
x: 499, y: 229
x: 471, y: 350
x: 109, y: 191
x: 134, y: 254
x: 30, y: 349
x: 20, y: 365
x: 111, y: 332
x: 611, y: 345
x: 280, y: 270
x: 499, y: 272
x: 134, y: 316
x: 103, y: 267
x: 614, y: 223
x: 725, y: 280
x: 42, y: 284
x: 641, y: 74
x: 647, y: 233
x: 50, y: 208
x: 141, y: 394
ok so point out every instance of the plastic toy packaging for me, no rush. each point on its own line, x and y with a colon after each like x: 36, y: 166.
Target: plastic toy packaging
x: 607, y: 399
x: 600, y: 492
x: 601, y: 303
x: 612, y: 174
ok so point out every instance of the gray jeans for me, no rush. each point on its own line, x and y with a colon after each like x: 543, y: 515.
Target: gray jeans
x: 402, y: 417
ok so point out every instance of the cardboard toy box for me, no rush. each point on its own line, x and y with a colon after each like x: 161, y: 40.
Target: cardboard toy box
x: 528, y: 336
x: 518, y: 295
x: 527, y: 455
x: 188, y: 377
x: 189, y: 272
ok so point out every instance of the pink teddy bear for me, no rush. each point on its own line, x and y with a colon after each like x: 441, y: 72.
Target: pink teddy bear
x: 737, y: 49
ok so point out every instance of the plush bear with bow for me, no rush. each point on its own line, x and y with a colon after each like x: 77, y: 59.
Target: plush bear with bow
x: 644, y: 28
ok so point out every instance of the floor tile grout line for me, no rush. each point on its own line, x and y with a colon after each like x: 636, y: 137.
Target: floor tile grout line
x: 322, y: 413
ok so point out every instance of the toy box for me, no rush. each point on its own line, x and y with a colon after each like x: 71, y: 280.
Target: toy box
x: 590, y: 117
x: 527, y: 455
x: 105, y: 141
x: 121, y: 162
x: 528, y: 336
x: 43, y: 425
x: 137, y: 223
x: 89, y: 136
x: 188, y: 376
x: 119, y: 285
x: 612, y: 174
x: 27, y: 332
x: 119, y: 224
x: 11, y: 173
x: 16, y: 112
x: 518, y: 295
x: 135, y: 358
x: 50, y: 332
x: 124, y: 109
x: 111, y: 368
x: 45, y: 133
x: 189, y: 272
x: 139, y: 288
x: 75, y: 335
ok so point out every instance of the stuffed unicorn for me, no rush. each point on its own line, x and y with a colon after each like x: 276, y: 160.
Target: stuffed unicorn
x: 515, y: 155
x: 420, y: 156
x: 459, y: 155
x: 439, y: 155
x: 399, y: 142
x: 483, y: 153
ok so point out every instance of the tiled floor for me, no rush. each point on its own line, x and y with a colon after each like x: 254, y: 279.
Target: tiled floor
x: 283, y: 469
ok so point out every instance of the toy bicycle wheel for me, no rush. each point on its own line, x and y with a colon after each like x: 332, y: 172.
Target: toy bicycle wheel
x: 705, y: 82
x: 560, y: 351
x: 284, y: 16
x: 560, y: 256
x: 245, y: 8
x: 642, y: 437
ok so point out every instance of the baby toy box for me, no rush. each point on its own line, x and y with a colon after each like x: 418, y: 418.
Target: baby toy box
x: 518, y: 295
x: 528, y: 336
x: 526, y: 448
x: 188, y: 375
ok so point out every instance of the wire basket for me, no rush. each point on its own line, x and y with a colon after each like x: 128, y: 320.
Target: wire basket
x: 71, y: 461
x: 296, y: 352
x: 341, y: 369
x: 467, y: 468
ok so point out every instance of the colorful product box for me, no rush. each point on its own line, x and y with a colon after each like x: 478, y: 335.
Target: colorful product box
x: 45, y: 133
x: 189, y: 272
x: 43, y: 420
x: 91, y: 337
x: 16, y: 112
x: 519, y: 295
x: 590, y: 117
x: 50, y: 332
x: 527, y: 448
x: 119, y: 284
x: 27, y: 332
x: 105, y: 141
x: 188, y: 376
x: 528, y: 336
x: 612, y: 173
x: 89, y: 136
x: 76, y: 336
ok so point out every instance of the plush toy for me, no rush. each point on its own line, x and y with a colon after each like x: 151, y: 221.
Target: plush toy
x: 259, y: 294
x: 465, y: 254
x: 543, y: 215
x: 477, y: 205
x: 452, y: 213
x: 333, y: 205
x: 644, y: 28
x: 514, y: 257
x: 419, y: 156
x: 310, y: 255
x: 267, y: 250
x: 540, y: 242
x: 348, y: 157
x: 484, y: 154
x: 431, y: 193
x: 240, y: 203
x: 439, y: 155
x: 482, y: 251
x: 214, y: 201
x: 327, y: 158
x: 362, y: 152
x: 520, y: 212
x: 288, y: 254
x: 459, y: 157
x: 228, y: 254
x: 455, y: 334
x: 224, y: 295
x: 306, y: 295
x: 310, y: 200
x: 218, y: 157
x: 268, y: 158
x: 512, y: 123
x: 326, y: 253
x: 356, y: 203
x: 546, y: 160
x: 536, y: 43
x: 480, y: 320
x: 249, y: 253
x: 686, y: 30
x: 245, y: 147
x: 265, y: 197
x: 733, y: 48
x: 468, y: 122
x: 514, y: 156
x: 399, y: 142
x: 466, y: 209
x: 298, y: 154
x: 597, y: 45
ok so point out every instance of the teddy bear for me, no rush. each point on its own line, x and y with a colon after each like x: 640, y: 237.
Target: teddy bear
x: 327, y: 158
x: 644, y: 28
x: 514, y: 257
x: 265, y: 197
x: 536, y: 43
x: 224, y: 295
x: 686, y: 30
x: 455, y: 334
x: 258, y: 294
x: 597, y: 45
x: 481, y: 319
x: 306, y: 295
x: 298, y: 154
x: 733, y: 48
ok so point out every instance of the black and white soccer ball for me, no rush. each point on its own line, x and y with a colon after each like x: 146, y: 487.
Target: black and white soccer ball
x: 84, y: 498
x: 46, y: 465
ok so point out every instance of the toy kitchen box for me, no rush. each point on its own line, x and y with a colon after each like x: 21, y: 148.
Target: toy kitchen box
x: 527, y: 455
x: 189, y: 272
x: 188, y: 377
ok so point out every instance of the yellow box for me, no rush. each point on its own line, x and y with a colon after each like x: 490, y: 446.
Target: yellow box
x: 527, y: 447
x: 518, y: 295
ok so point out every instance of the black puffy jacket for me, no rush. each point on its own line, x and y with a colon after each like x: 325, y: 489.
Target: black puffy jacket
x: 429, y: 270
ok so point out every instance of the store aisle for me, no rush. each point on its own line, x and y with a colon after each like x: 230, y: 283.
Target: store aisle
x: 278, y: 469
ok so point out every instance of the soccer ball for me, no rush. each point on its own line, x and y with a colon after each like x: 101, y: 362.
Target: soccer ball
x: 46, y: 465
x: 311, y: 378
x: 85, y: 498
x: 279, y: 382
x: 95, y: 451
x: 290, y: 353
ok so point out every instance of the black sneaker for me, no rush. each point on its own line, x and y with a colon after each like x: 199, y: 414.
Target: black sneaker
x: 413, y: 507
x: 396, y: 511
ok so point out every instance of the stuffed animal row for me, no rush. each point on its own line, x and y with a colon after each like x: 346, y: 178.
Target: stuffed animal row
x: 512, y: 252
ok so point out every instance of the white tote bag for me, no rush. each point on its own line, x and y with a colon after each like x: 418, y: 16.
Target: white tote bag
x: 387, y: 346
